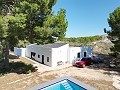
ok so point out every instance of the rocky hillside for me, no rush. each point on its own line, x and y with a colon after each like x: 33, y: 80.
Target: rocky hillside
x: 102, y: 46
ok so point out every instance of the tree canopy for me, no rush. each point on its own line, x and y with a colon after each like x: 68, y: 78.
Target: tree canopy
x: 114, y: 33
x: 84, y: 39
x: 34, y: 21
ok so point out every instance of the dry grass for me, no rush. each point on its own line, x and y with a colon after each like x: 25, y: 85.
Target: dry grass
x: 50, y: 77
x: 24, y: 81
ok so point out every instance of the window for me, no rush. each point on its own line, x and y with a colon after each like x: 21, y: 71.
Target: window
x: 78, y: 55
x: 47, y: 59
x: 85, y: 54
x: 38, y: 56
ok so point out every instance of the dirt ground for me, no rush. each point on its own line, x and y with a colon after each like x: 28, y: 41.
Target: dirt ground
x: 97, y: 78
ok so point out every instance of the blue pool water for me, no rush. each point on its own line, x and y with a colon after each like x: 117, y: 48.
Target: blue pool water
x: 63, y: 85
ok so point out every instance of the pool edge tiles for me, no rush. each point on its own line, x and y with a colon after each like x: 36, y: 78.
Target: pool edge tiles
x: 55, y: 85
x: 63, y: 85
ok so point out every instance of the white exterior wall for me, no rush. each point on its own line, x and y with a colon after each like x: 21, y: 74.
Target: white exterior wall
x: 73, y: 53
x: 40, y: 51
x: 63, y: 53
x: 19, y: 51
x: 60, y: 54
x: 88, y: 51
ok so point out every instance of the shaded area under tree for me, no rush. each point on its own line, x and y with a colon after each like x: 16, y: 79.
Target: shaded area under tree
x: 18, y: 67
x: 105, y: 65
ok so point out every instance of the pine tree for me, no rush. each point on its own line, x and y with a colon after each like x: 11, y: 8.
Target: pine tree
x: 114, y: 33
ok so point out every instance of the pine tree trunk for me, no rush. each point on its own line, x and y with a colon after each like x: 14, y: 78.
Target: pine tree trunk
x: 6, y: 54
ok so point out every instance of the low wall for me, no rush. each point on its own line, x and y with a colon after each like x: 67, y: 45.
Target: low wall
x: 19, y: 51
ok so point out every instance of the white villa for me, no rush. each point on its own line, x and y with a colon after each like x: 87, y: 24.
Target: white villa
x: 54, y: 54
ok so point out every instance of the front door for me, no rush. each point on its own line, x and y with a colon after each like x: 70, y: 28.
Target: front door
x: 42, y: 59
x: 33, y: 55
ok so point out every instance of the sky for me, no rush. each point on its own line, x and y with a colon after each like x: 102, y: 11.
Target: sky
x: 86, y: 17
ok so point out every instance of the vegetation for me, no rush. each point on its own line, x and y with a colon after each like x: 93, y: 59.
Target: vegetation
x: 32, y: 21
x: 114, y: 33
x: 23, y: 43
x: 79, y: 41
x: 0, y: 52
x: 29, y: 21
x: 18, y: 67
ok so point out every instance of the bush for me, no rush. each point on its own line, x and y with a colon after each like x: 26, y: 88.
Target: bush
x: 4, y: 71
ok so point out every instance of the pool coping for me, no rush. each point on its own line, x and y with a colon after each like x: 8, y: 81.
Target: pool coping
x: 55, y: 81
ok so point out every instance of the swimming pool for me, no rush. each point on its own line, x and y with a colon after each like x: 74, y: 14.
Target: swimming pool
x: 63, y: 83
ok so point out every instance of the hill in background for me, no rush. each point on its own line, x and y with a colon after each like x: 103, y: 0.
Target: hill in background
x: 100, y: 43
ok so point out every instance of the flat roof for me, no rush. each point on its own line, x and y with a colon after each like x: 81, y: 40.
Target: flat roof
x: 54, y: 45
